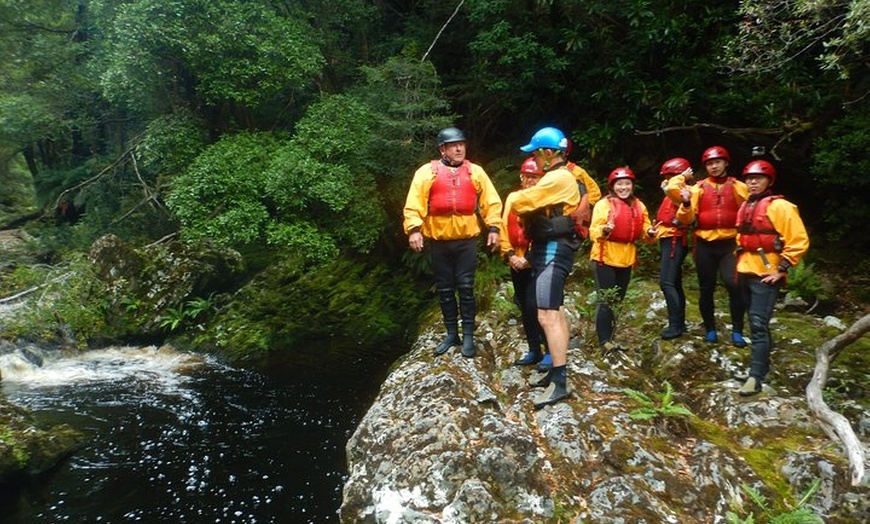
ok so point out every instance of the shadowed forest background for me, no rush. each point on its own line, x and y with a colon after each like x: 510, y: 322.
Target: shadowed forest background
x: 288, y: 131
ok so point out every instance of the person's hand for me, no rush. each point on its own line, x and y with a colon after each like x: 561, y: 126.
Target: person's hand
x: 685, y: 195
x: 653, y: 229
x: 608, y: 228
x: 773, y: 277
x: 518, y: 263
x: 415, y: 241
x: 492, y: 241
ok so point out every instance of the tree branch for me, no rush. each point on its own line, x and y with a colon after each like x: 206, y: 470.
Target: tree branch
x: 443, y: 27
x: 835, y: 425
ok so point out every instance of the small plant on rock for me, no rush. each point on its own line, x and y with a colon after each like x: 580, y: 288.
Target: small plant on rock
x: 650, y: 409
x: 797, y: 515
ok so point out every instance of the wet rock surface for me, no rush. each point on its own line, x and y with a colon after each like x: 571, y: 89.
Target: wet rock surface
x: 451, y: 439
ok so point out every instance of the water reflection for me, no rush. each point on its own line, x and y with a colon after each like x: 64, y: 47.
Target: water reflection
x: 181, y: 438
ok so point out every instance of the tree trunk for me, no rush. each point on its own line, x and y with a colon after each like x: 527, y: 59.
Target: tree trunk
x: 834, y: 424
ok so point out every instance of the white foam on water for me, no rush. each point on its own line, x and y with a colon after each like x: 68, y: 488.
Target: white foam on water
x: 161, y: 366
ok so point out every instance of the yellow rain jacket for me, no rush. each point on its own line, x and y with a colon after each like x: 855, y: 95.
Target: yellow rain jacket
x: 556, y: 187
x: 795, y: 241
x: 450, y: 227
x: 616, y: 254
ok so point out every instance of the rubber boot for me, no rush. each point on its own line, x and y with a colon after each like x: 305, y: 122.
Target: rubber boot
x: 711, y: 336
x: 671, y: 332
x: 468, y: 350
x: 452, y: 339
x: 468, y: 309
x: 450, y: 312
x: 556, y: 391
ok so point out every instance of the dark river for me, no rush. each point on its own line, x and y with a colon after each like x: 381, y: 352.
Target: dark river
x: 176, y: 437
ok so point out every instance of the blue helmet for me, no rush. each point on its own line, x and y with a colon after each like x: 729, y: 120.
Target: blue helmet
x: 547, y: 138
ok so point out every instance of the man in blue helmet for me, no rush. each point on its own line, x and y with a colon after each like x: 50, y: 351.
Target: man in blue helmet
x: 442, y: 205
x: 545, y: 210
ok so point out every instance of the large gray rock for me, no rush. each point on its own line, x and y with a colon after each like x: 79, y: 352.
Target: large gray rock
x: 456, y: 440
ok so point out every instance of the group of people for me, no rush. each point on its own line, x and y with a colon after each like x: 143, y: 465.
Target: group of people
x: 741, y: 232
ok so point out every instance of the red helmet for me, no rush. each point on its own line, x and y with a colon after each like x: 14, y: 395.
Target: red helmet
x: 674, y: 166
x: 760, y: 167
x: 714, y: 152
x: 530, y: 167
x: 620, y: 173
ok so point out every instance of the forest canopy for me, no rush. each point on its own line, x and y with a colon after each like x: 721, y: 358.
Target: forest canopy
x: 296, y: 125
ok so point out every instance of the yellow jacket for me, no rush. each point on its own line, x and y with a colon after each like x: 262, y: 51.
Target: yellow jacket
x: 450, y: 227
x: 616, y: 254
x: 686, y: 214
x: 787, y: 222
x: 504, y: 239
x: 556, y: 187
x: 592, y: 189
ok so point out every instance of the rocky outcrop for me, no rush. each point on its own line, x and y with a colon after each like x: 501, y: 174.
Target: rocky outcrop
x: 457, y: 440
x: 26, y: 449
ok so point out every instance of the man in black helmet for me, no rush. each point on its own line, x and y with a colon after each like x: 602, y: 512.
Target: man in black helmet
x: 442, y: 206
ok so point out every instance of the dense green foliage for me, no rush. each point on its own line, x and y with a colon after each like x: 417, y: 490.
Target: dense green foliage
x: 291, y: 128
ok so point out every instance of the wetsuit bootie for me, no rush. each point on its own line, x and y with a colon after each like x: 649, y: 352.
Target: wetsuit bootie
x: 556, y: 390
x: 751, y: 387
x: 543, y: 381
x: 711, y: 336
x: 671, y: 332
x: 546, y: 363
x: 737, y: 339
x: 531, y: 358
x: 452, y: 339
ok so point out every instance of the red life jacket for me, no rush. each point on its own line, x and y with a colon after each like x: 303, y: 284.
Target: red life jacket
x: 717, y: 207
x: 755, y: 228
x: 452, y: 193
x: 627, y: 220
x: 667, y: 215
x: 516, y: 233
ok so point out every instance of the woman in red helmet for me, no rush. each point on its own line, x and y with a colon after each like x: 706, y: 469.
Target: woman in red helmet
x: 771, y: 238
x: 514, y: 245
x: 671, y: 234
x: 712, y: 206
x: 618, y: 221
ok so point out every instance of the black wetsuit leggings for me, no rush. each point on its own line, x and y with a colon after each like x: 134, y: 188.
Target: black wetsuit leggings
x: 714, y: 258
x: 524, y: 294
x: 606, y: 278
x: 454, y: 263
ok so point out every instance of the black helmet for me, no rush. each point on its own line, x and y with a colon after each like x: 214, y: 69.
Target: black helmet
x: 450, y: 134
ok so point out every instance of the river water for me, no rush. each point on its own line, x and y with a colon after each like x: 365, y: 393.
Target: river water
x: 178, y: 437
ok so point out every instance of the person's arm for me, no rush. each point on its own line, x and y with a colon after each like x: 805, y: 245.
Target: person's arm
x: 416, y: 208
x: 600, y: 215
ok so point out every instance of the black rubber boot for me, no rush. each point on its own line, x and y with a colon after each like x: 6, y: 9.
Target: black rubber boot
x: 452, y: 339
x: 556, y: 391
x: 468, y: 349
x: 467, y: 309
x: 450, y: 312
x: 671, y: 332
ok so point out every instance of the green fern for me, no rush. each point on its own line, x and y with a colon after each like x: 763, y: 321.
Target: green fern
x: 649, y: 410
x: 798, y: 515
